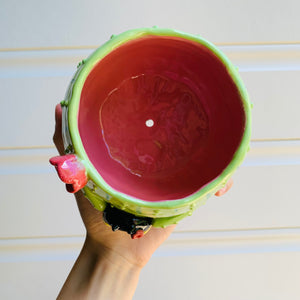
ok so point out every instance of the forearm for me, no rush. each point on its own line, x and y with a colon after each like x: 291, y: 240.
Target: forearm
x: 98, y: 275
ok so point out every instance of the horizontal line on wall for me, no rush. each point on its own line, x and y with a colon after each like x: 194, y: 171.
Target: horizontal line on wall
x: 178, y: 244
x: 264, y: 58
x: 58, y: 48
x: 273, y: 153
x: 62, y: 62
x: 35, y: 160
x: 25, y: 49
x: 26, y: 161
x: 48, y: 147
x: 232, y: 242
x: 270, y: 43
x: 40, y: 249
x: 275, y: 140
x: 237, y: 234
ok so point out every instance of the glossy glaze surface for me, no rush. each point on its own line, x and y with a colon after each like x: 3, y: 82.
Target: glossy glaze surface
x: 160, y: 118
x: 152, y: 125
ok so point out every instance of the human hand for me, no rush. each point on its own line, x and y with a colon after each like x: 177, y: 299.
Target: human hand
x: 99, y: 235
x: 116, y: 249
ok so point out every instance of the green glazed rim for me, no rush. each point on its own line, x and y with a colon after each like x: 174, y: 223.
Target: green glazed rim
x: 73, y: 105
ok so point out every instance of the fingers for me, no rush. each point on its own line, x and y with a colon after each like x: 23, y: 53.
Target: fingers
x: 57, y: 137
x: 225, y: 189
x: 58, y: 114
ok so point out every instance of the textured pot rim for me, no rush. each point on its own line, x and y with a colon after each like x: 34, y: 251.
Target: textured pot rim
x: 73, y: 106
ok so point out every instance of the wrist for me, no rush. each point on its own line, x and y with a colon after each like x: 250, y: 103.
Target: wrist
x: 101, y: 273
x: 112, y: 276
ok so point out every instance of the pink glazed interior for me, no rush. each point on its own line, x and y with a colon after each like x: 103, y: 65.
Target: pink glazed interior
x: 160, y: 118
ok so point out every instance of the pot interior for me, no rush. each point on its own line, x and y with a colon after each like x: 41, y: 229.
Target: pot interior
x: 160, y: 117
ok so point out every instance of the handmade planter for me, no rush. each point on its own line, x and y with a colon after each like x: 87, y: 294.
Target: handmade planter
x: 154, y: 122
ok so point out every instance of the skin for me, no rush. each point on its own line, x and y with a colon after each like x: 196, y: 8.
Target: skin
x: 109, y: 264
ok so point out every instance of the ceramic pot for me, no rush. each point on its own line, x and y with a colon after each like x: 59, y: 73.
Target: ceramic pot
x: 154, y: 122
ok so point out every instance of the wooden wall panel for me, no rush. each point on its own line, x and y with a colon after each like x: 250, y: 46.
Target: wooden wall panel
x: 262, y: 197
x: 245, y: 245
x: 246, y: 276
x: 32, y: 82
x: 187, y: 266
x: 81, y: 23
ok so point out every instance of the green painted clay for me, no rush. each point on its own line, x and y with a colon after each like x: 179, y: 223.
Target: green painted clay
x: 164, y: 212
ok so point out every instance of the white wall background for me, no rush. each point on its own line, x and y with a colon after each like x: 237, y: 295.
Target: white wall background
x: 245, y: 246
